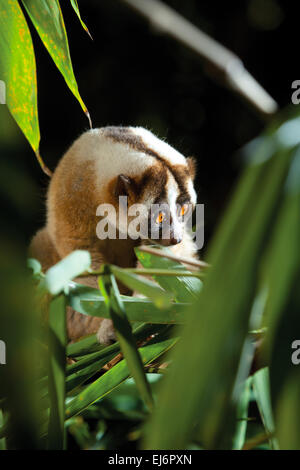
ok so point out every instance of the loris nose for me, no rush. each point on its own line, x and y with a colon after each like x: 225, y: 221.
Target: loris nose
x: 175, y: 240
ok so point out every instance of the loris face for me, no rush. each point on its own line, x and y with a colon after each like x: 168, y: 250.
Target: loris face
x: 161, y: 199
x: 167, y: 220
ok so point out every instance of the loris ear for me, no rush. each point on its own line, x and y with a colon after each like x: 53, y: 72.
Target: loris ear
x: 124, y: 186
x: 191, y: 163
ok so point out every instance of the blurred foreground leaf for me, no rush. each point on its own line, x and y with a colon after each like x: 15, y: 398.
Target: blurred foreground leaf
x: 60, y: 274
x: 213, y: 339
x: 57, y: 361
x: 261, y: 387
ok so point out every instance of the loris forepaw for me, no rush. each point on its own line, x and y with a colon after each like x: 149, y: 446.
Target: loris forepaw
x: 106, y: 333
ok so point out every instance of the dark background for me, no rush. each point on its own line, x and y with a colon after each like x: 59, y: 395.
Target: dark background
x: 133, y: 75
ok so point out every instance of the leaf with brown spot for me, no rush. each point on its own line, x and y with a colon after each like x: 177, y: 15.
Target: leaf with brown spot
x: 18, y: 70
x: 48, y: 20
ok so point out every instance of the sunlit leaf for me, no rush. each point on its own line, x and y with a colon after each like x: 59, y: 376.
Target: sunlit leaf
x: 261, y: 387
x: 18, y: 70
x: 88, y: 301
x: 59, y: 275
x: 185, y: 289
x: 47, y: 18
x: 161, y: 298
x: 242, y: 415
x: 76, y: 8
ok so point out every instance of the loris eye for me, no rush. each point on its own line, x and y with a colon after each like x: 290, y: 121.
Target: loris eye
x: 183, y: 210
x: 160, y: 218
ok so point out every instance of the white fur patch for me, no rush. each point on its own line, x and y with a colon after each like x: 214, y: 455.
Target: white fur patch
x: 163, y: 149
x: 110, y: 158
x: 113, y: 158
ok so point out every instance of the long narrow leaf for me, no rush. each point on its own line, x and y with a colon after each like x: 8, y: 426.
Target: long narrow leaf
x: 18, y: 71
x: 261, y: 387
x: 88, y: 301
x: 85, y: 368
x: 116, y: 375
x: 76, y: 9
x: 146, y: 287
x: 185, y: 289
x: 213, y: 339
x: 48, y: 20
x: 110, y: 291
x: 242, y: 415
x: 57, y: 360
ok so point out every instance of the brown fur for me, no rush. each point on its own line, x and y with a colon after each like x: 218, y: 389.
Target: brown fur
x: 72, y: 201
x: 126, y: 136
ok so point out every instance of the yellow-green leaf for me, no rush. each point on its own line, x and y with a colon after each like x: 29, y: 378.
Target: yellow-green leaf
x: 48, y: 20
x: 76, y: 8
x: 18, y: 70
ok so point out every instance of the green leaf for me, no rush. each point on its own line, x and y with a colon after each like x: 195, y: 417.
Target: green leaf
x: 85, y: 368
x: 57, y: 361
x: 88, y: 301
x: 116, y: 375
x: 146, y: 287
x: 2, y: 425
x: 36, y: 267
x: 261, y: 388
x: 18, y: 70
x: 76, y: 8
x: 185, y: 289
x: 58, y: 276
x: 214, y: 336
x: 110, y: 291
x: 282, y: 276
x: 242, y: 415
x: 84, y: 346
x: 47, y: 18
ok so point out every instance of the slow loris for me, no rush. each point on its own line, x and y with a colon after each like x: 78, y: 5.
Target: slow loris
x: 102, y: 165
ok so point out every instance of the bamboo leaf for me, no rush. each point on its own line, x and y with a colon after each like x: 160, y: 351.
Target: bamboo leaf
x: 116, y: 375
x: 110, y: 291
x: 48, y: 20
x: 85, y: 368
x: 2, y: 426
x: 185, y: 289
x: 242, y: 415
x: 76, y: 9
x: 213, y: 339
x: 87, y: 345
x: 57, y: 360
x: 261, y: 388
x: 58, y: 276
x: 146, y: 287
x: 18, y: 71
x: 282, y: 276
x: 88, y: 301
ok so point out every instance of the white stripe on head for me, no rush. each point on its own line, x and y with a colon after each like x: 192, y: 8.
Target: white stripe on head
x: 110, y: 158
x: 160, y: 147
